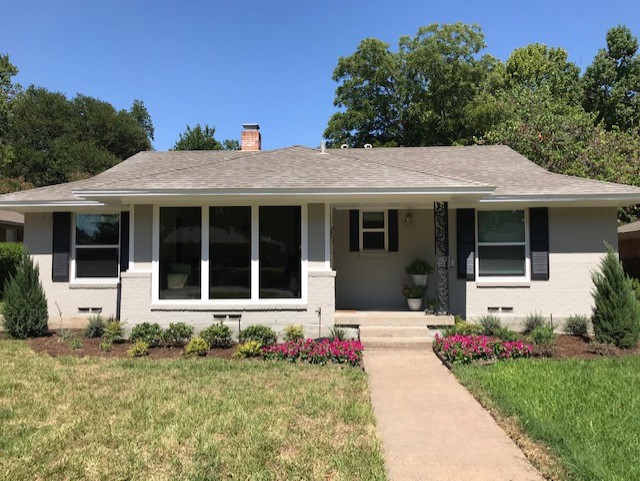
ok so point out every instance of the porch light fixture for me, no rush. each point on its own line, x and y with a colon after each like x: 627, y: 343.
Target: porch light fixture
x: 408, y: 219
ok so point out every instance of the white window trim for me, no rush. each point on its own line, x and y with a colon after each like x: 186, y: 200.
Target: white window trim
x: 73, y: 279
x: 527, y: 254
x: 255, y: 263
x: 384, y: 229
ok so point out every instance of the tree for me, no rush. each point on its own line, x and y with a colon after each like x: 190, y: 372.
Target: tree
x: 415, y: 96
x: 616, y: 315
x: 55, y: 139
x: 141, y: 115
x: 203, y: 138
x: 612, y: 81
x: 25, y: 305
x: 8, y: 91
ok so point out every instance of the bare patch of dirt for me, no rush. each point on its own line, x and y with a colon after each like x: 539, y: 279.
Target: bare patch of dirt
x: 578, y: 347
x: 54, y: 346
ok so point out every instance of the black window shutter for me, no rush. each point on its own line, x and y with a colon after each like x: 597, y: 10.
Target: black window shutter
x: 539, y: 242
x: 354, y: 230
x: 466, y: 242
x: 393, y: 230
x: 124, y: 241
x: 61, y: 246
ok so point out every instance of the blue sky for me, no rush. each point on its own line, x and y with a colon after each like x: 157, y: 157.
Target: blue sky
x: 229, y: 62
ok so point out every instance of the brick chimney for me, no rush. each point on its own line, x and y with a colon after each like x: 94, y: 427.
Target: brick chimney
x: 251, y: 138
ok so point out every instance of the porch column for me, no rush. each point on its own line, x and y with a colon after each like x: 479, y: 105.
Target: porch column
x: 441, y: 232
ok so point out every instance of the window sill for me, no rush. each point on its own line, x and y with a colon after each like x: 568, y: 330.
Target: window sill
x: 227, y: 307
x: 374, y: 253
x: 94, y: 284
x: 504, y: 284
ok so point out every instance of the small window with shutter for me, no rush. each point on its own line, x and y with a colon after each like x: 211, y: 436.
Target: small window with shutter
x: 502, y: 244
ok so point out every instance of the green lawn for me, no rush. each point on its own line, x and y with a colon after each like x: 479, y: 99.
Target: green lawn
x: 586, y: 412
x: 201, y: 419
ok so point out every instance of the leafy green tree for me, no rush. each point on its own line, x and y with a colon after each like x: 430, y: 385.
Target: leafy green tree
x: 612, y: 81
x: 141, y: 115
x: 203, y: 138
x: 55, y: 139
x: 25, y: 305
x: 415, y: 96
x: 616, y: 315
x: 8, y: 91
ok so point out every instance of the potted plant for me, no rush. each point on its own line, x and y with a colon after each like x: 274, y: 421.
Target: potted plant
x: 419, y: 269
x: 414, y: 296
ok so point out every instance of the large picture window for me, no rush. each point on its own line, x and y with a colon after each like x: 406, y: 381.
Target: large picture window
x: 230, y: 253
x: 279, y: 251
x: 97, y: 245
x: 180, y: 252
x: 501, y: 243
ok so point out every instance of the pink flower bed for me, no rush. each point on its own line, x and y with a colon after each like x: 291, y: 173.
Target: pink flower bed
x: 467, y: 348
x: 316, y: 352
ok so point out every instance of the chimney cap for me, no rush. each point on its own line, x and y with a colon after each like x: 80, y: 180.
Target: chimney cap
x: 251, y: 126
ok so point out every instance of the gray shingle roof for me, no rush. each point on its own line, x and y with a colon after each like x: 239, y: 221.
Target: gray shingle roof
x: 305, y: 169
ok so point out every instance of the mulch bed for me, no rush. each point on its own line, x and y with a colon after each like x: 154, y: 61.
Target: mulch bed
x: 52, y: 345
x: 577, y: 347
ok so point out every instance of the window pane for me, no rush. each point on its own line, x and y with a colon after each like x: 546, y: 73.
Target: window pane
x: 373, y: 220
x: 373, y: 241
x: 501, y: 260
x: 97, y: 229
x: 98, y: 262
x: 280, y: 258
x: 180, y: 252
x: 501, y: 226
x: 230, y: 253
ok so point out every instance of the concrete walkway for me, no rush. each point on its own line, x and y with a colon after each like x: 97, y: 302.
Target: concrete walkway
x: 432, y: 428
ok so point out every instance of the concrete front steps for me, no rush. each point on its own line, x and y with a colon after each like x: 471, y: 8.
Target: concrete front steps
x: 393, y: 330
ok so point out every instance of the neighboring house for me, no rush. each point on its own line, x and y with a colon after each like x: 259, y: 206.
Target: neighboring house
x: 629, y: 247
x: 291, y: 235
x: 11, y: 226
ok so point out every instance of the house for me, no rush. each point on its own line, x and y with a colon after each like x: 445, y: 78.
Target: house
x: 11, y: 226
x: 629, y: 248
x: 294, y: 234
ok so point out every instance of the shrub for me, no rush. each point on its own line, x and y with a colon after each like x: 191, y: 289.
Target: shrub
x: 217, y: 335
x: 462, y: 327
x: 95, y: 327
x: 412, y: 292
x: 10, y: 255
x: 152, y: 334
x: 113, y: 331
x: 139, y: 349
x: 25, y: 304
x: 465, y: 349
x: 544, y: 339
x: 178, y: 334
x: 635, y: 283
x: 293, y: 333
x: 316, y: 352
x: 419, y: 266
x: 532, y: 321
x: 506, y: 334
x: 616, y: 315
x: 263, y: 334
x: 197, y: 346
x: 106, y: 345
x: 490, y: 324
x: 577, y: 325
x: 75, y: 343
x: 337, y: 333
x: 249, y: 349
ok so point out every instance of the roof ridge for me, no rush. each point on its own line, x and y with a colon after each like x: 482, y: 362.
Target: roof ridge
x: 421, y: 171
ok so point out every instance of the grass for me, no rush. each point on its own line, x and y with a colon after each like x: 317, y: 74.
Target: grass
x: 586, y: 412
x: 83, y: 418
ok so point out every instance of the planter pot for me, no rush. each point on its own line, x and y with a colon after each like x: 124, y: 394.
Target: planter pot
x: 419, y: 279
x: 414, y: 304
x: 176, y: 281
